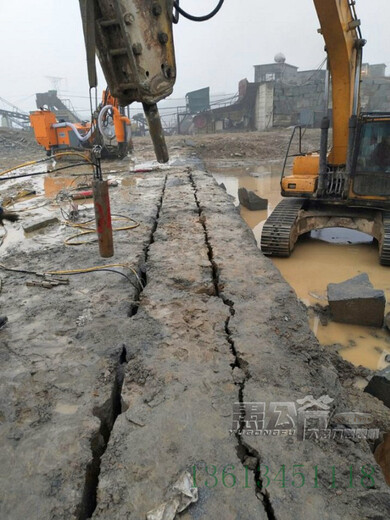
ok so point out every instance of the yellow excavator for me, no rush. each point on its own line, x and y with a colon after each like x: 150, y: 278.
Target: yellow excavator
x: 347, y: 185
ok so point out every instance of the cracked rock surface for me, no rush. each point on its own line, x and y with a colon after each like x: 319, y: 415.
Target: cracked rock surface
x: 101, y: 415
x: 217, y: 334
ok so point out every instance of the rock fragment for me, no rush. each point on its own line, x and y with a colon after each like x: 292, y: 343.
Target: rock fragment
x: 355, y: 301
x: 387, y: 321
x: 379, y: 386
x: 251, y: 201
x: 38, y: 223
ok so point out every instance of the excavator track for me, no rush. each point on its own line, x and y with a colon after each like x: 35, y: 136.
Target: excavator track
x: 385, y: 249
x: 276, y: 234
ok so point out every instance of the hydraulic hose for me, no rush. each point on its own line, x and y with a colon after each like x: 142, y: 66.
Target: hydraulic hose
x: 103, y: 130
x: 80, y: 137
x: 192, y: 17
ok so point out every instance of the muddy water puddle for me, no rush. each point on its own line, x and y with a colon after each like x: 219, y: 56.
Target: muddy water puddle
x: 326, y: 256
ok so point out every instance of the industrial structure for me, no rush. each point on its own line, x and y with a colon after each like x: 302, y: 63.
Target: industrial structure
x: 282, y: 95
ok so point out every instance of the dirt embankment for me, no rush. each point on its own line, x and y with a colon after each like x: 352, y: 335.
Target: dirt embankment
x: 248, y: 145
x: 17, y: 146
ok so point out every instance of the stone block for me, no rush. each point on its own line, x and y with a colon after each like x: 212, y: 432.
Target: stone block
x: 251, y: 201
x: 355, y: 301
x: 379, y: 386
x: 38, y: 223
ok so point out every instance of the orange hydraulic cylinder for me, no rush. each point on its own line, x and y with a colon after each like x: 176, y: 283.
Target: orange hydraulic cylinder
x: 120, y: 123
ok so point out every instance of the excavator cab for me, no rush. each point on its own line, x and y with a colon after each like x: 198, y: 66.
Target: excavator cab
x: 371, y: 171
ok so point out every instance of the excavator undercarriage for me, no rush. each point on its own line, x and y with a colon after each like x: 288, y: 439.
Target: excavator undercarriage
x: 295, y: 217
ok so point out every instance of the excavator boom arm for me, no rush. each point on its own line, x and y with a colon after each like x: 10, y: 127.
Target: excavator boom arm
x: 340, y: 29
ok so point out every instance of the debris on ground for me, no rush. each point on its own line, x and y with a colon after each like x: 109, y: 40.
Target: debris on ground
x: 190, y: 142
x: 17, y: 144
x: 251, y: 201
x: 183, y: 494
x: 38, y: 223
x: 355, y: 301
x: 322, y: 312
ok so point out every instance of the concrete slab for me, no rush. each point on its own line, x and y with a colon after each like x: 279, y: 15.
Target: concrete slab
x: 178, y: 385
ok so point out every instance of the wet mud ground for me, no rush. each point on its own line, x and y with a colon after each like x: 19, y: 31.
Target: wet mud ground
x: 112, y: 387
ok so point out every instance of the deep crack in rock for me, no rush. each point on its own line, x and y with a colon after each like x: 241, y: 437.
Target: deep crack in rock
x: 243, y: 450
x: 111, y: 409
x: 107, y: 414
x: 142, y: 270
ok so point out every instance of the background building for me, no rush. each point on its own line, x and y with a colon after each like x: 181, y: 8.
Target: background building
x: 283, y: 96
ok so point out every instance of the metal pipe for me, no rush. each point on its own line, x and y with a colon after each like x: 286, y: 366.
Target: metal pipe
x: 327, y: 89
x: 356, y: 92
x: 109, y: 134
x: 325, y: 123
x: 80, y: 137
x: 103, y: 217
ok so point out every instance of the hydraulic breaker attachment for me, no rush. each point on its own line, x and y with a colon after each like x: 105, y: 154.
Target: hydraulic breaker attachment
x: 134, y: 43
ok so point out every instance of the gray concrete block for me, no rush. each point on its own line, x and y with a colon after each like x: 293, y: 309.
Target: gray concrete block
x: 355, y: 301
x: 251, y: 201
x: 38, y: 223
x: 379, y: 386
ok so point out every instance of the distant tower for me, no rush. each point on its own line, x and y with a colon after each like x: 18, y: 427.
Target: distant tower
x: 280, y: 58
x: 55, y: 81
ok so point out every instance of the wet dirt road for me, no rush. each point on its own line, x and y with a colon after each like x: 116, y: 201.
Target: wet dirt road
x: 327, y: 256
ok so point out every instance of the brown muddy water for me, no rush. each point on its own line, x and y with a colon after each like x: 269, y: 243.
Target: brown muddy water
x: 326, y: 256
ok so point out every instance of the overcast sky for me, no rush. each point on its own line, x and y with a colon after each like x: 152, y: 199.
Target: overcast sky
x: 42, y: 38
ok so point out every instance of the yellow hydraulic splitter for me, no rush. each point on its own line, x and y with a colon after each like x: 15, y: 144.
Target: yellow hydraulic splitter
x: 134, y: 43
